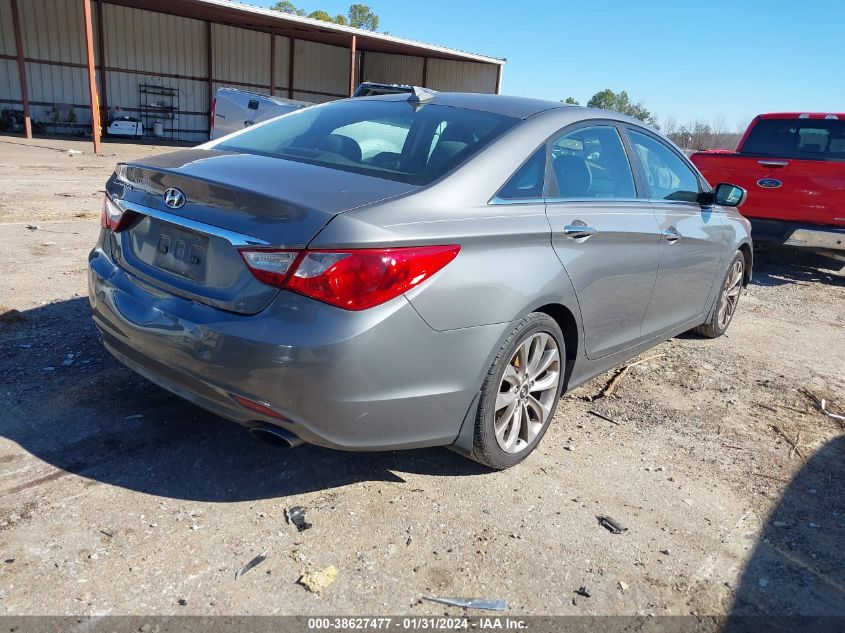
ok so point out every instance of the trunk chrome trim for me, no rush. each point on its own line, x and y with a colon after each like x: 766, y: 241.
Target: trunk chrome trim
x: 235, y: 239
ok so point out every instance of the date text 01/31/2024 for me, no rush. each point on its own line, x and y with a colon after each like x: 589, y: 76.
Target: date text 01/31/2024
x: 421, y: 623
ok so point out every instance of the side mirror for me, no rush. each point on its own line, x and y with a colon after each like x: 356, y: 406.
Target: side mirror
x: 728, y: 195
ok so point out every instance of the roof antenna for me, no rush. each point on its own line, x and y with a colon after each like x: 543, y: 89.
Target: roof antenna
x: 420, y: 95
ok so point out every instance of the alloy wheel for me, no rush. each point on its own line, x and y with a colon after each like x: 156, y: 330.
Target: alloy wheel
x: 527, y: 392
x: 730, y: 294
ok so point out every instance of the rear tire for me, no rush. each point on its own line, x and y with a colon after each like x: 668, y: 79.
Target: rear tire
x: 520, y: 393
x: 727, y: 301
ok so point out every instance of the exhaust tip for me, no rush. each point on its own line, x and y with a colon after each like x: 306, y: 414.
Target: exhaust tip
x: 276, y: 436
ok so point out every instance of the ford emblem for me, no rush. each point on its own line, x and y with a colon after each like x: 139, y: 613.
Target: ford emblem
x: 769, y: 183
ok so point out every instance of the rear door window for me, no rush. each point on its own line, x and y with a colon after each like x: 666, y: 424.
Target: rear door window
x: 591, y: 162
x: 813, y: 139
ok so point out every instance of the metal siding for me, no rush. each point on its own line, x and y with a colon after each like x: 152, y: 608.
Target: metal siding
x: 154, y: 42
x: 282, y: 63
x: 10, y: 83
x: 58, y: 84
x: 53, y: 30
x: 240, y: 55
x: 452, y: 76
x: 312, y: 98
x: 7, y: 29
x: 392, y: 69
x: 193, y: 97
x: 320, y: 68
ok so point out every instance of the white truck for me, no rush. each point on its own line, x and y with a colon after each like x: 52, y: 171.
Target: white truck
x: 234, y: 109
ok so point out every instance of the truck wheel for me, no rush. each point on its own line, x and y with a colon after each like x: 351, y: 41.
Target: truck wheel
x: 723, y: 311
x: 520, y: 393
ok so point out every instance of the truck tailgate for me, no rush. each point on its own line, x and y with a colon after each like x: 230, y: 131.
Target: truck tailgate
x: 790, y: 189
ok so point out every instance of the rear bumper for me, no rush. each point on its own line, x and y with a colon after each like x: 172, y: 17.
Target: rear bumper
x: 797, y: 235
x: 372, y: 380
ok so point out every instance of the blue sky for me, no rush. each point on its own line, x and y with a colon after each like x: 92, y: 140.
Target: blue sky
x: 689, y: 59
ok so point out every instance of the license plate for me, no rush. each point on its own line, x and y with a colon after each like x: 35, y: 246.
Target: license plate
x: 182, y: 253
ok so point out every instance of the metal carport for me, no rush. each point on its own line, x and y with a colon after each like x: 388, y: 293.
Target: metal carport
x: 85, y: 52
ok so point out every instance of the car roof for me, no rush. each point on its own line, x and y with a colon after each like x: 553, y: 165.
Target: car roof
x: 518, y: 107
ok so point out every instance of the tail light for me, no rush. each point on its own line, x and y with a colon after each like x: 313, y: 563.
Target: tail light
x: 113, y: 217
x: 353, y: 280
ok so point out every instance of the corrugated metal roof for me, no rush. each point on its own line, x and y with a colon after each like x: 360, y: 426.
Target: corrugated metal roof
x: 240, y: 14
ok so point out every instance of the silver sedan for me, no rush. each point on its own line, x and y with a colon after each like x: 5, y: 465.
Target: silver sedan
x: 411, y: 270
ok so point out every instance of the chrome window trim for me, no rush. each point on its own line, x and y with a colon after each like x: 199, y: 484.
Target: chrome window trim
x: 595, y: 200
x: 235, y: 239
x: 496, y: 200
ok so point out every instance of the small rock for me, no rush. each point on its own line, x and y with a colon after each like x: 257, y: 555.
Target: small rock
x: 666, y: 551
x: 182, y: 602
x: 317, y: 581
x: 623, y: 586
x: 763, y: 582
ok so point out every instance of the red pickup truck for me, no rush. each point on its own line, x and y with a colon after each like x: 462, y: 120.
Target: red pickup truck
x: 793, y: 167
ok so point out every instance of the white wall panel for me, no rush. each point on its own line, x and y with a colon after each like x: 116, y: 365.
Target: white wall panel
x: 49, y: 84
x: 446, y: 75
x: 320, y: 68
x: 240, y: 55
x: 154, y: 42
x: 7, y: 29
x: 10, y: 83
x: 53, y: 29
x: 282, y: 64
x: 392, y: 69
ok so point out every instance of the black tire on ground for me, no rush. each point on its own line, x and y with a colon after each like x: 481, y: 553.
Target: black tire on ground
x: 712, y: 328
x: 486, y: 449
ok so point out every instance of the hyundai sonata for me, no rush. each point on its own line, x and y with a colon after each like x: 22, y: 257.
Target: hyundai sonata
x: 412, y: 269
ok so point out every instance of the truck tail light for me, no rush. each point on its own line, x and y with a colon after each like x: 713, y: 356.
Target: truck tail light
x: 113, y: 217
x: 354, y: 279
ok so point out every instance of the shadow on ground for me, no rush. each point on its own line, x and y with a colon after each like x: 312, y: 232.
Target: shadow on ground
x: 99, y: 420
x: 797, y: 567
x: 776, y: 266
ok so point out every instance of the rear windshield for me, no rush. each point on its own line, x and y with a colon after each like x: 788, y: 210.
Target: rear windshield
x: 813, y: 139
x: 394, y: 140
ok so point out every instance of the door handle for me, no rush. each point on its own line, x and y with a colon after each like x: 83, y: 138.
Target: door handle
x: 579, y: 230
x: 671, y: 235
x: 773, y: 163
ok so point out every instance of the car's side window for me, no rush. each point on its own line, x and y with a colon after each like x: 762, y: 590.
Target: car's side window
x: 527, y: 182
x: 590, y: 162
x: 668, y: 177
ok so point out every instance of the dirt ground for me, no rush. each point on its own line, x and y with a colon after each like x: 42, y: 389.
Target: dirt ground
x: 119, y: 498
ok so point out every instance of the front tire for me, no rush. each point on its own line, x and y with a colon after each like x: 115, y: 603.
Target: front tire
x: 520, y: 393
x: 726, y: 303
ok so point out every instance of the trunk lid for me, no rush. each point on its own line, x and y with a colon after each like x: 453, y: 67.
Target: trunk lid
x: 230, y: 199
